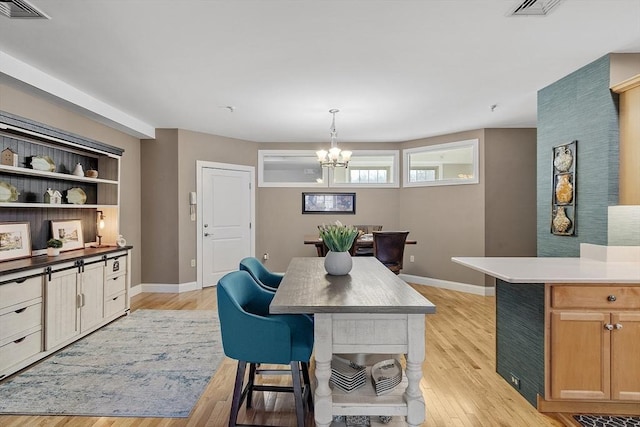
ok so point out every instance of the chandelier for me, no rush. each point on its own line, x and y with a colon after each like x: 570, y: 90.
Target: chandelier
x: 334, y: 158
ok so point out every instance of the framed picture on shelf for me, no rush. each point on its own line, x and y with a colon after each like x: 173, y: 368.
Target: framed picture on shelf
x: 15, y: 240
x: 70, y: 232
x: 327, y: 203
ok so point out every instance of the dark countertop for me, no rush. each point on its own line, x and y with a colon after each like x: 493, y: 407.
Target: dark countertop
x: 44, y: 261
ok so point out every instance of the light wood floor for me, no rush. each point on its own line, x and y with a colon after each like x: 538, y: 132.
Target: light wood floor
x: 460, y: 385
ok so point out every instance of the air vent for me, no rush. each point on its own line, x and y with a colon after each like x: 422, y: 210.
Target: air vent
x: 20, y: 9
x: 534, y: 7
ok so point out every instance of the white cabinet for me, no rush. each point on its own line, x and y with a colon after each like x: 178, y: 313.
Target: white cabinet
x: 54, y: 303
x: 62, y: 318
x: 115, y: 286
x: 74, y: 300
x: 20, y: 321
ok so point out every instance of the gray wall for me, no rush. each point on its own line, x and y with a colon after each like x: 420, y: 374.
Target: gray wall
x: 169, y: 174
x: 493, y: 218
x: 579, y: 107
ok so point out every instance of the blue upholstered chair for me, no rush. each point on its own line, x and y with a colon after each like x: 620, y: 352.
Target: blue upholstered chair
x: 268, y: 280
x: 251, y: 335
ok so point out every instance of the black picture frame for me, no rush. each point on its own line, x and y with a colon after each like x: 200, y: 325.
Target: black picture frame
x: 329, y: 203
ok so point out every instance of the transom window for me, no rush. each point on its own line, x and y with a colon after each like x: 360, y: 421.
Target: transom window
x: 453, y: 163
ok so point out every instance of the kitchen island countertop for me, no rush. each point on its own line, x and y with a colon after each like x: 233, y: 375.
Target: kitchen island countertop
x: 553, y: 270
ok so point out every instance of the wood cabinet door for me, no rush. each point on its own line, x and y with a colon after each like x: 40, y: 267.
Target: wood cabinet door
x: 625, y: 356
x: 62, y: 319
x: 580, y: 355
x: 92, y: 299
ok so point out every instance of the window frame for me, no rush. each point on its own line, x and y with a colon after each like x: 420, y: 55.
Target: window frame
x: 472, y: 143
x: 394, y: 173
x: 289, y: 153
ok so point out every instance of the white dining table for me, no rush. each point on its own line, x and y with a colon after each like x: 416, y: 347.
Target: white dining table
x: 369, y: 311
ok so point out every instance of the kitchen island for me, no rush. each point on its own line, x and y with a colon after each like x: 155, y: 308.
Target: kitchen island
x: 369, y: 311
x: 568, y: 331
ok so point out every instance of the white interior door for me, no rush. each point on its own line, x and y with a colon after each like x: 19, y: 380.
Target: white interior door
x: 226, y: 222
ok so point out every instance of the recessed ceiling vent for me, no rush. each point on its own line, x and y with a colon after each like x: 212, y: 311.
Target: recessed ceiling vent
x: 20, y: 9
x: 534, y: 7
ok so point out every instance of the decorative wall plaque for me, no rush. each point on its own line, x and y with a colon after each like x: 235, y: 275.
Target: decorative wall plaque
x: 563, y: 199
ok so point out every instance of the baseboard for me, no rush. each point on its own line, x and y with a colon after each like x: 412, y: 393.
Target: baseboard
x: 135, y: 290
x: 487, y: 291
x: 164, y: 288
x: 588, y: 407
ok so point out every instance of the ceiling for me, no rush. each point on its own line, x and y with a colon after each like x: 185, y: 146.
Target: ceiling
x: 397, y: 69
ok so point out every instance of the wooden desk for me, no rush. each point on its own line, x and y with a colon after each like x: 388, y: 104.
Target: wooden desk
x: 313, y: 239
x: 369, y: 310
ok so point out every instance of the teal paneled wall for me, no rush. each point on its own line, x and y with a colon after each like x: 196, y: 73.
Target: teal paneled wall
x: 579, y: 107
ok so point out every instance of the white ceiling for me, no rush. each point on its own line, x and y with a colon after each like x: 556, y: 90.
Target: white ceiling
x: 397, y: 69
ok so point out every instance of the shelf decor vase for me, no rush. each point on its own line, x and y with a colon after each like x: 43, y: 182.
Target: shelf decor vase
x: 53, y: 251
x: 338, y: 263
x: 78, y: 171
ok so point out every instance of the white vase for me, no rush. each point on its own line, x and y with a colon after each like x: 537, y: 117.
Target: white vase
x: 53, y: 251
x: 78, y: 171
x: 338, y: 263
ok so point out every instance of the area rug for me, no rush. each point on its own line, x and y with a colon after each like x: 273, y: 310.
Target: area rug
x: 607, y: 421
x: 152, y: 363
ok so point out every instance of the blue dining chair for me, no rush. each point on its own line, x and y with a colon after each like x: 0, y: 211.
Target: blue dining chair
x: 268, y: 280
x: 252, y: 336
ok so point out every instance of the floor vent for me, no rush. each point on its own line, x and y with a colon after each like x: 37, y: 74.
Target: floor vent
x: 534, y: 7
x: 20, y: 9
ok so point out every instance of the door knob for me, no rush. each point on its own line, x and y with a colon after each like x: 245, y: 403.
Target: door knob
x: 206, y: 234
x: 611, y: 298
x: 608, y: 327
x: 618, y: 325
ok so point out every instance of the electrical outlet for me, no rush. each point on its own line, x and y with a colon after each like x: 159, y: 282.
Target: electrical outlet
x: 412, y: 258
x: 193, y: 263
x: 515, y: 381
x: 265, y: 256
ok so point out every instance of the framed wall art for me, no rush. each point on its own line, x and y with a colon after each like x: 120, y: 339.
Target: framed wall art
x: 15, y: 240
x: 70, y: 232
x: 328, y: 203
x: 563, y: 198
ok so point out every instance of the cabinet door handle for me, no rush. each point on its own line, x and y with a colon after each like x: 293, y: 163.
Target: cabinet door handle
x: 608, y: 327
x: 20, y: 310
x: 611, y: 298
x: 618, y: 325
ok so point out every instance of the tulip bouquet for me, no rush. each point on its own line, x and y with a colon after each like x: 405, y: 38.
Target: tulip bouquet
x: 338, y: 237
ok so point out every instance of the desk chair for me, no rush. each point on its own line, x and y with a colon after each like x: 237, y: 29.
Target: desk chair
x: 266, y: 279
x: 388, y: 247
x: 251, y: 335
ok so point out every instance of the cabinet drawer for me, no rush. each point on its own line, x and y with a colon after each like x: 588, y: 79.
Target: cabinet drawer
x: 23, y: 348
x: 116, y: 266
x: 115, y: 285
x: 114, y: 305
x: 16, y: 292
x: 14, y: 322
x: 603, y: 297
